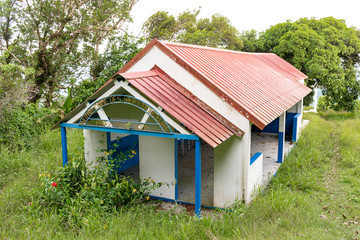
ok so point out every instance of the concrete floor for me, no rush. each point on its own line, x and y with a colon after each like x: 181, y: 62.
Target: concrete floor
x: 267, y: 143
x: 186, y: 174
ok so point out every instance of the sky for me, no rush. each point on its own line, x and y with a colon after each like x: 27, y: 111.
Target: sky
x: 251, y: 14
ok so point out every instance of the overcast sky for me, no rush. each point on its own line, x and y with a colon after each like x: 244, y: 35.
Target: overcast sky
x: 251, y: 14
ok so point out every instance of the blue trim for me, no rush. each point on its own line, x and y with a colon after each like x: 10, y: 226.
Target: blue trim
x: 131, y: 131
x: 64, y: 146
x: 176, y: 171
x: 125, y: 96
x: 295, y: 125
x: 255, y: 157
x: 280, y: 147
x: 197, y: 178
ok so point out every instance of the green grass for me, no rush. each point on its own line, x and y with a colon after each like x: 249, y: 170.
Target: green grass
x: 315, y: 195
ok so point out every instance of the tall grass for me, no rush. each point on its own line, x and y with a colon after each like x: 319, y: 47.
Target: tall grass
x: 315, y: 195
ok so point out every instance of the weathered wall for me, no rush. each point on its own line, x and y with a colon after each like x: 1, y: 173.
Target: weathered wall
x: 255, y: 177
x: 94, y: 140
x: 157, y: 161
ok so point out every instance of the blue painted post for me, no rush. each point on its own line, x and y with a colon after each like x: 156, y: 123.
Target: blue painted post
x: 197, y: 178
x: 176, y: 170
x: 64, y: 146
x: 108, y: 140
x: 281, y: 140
x: 295, y: 127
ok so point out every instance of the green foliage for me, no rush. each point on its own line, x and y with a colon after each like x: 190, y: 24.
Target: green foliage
x: 249, y: 39
x: 315, y: 195
x: 119, y: 51
x: 322, y: 104
x: 59, y: 39
x: 21, y: 125
x: 91, y: 187
x: 13, y: 83
x: 326, y: 50
x: 216, y: 31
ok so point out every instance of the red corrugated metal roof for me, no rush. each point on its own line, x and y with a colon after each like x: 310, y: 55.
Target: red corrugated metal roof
x: 261, y: 86
x: 157, y: 86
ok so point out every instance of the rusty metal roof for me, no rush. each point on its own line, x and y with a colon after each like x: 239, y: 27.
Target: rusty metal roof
x: 160, y: 88
x: 261, y: 86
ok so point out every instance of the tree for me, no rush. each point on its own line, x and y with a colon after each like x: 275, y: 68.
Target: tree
x: 118, y: 52
x: 326, y: 50
x: 250, y: 40
x: 216, y: 31
x: 56, y: 38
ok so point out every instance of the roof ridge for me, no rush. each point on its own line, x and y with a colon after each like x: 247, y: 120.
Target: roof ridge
x: 213, y: 49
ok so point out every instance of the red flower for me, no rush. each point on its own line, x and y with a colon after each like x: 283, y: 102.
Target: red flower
x: 29, y: 203
x: 54, y: 184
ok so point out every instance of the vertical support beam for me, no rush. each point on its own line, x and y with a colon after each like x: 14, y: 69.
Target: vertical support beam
x: 197, y: 178
x: 295, y: 128
x: 64, y: 146
x: 108, y: 140
x: 176, y: 170
x: 281, y: 140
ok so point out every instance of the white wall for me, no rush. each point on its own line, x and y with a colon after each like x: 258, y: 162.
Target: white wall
x: 228, y: 180
x: 255, y: 178
x: 94, y: 140
x: 157, y: 161
x: 238, y: 163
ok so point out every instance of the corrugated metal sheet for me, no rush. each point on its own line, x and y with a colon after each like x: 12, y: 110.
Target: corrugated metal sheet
x: 261, y: 86
x: 157, y: 87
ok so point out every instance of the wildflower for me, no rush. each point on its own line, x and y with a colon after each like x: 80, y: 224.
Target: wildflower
x: 106, y: 152
x: 134, y: 190
x: 54, y: 184
x: 133, y: 152
x: 105, y: 227
x: 101, y: 202
x: 152, y: 181
x: 131, y: 156
x: 86, y: 221
x: 48, y: 175
x: 30, y: 203
x: 147, y: 198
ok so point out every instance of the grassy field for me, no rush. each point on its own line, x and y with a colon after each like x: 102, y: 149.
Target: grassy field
x: 315, y: 195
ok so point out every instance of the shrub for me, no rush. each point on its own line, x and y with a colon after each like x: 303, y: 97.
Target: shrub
x: 20, y: 126
x: 82, y: 187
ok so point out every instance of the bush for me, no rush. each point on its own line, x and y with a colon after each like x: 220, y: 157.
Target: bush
x: 82, y: 187
x: 20, y: 126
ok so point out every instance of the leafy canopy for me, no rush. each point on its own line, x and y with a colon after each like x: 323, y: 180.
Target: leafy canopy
x: 58, y: 39
x: 216, y: 31
x: 326, y: 50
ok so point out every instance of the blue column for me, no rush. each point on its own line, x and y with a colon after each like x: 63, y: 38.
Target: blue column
x: 64, y: 146
x: 197, y: 178
x: 108, y: 140
x: 281, y: 147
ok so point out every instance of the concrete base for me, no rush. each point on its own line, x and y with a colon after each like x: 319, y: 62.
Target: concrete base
x: 267, y: 143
